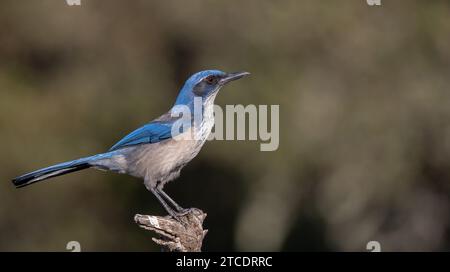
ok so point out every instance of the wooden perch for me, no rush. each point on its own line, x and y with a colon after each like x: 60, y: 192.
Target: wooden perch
x: 184, y: 235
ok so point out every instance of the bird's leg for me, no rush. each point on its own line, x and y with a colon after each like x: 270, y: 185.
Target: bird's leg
x: 168, y: 198
x: 171, y: 212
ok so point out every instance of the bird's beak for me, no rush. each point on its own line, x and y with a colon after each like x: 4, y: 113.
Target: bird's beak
x: 233, y: 76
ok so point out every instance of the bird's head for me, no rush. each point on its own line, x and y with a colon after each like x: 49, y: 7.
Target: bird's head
x: 205, y: 84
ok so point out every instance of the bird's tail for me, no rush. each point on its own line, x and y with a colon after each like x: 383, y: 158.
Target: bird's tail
x: 54, y: 171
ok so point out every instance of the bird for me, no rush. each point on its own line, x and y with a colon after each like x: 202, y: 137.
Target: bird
x: 157, y: 151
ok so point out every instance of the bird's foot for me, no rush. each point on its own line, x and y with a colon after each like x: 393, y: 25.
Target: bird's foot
x: 172, y: 235
x: 178, y: 215
x: 183, y: 212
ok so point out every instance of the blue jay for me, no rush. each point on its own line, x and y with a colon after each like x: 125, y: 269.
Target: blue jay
x: 153, y: 152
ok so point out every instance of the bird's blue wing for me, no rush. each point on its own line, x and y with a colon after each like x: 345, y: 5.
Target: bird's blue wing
x: 156, y: 131
x: 150, y: 133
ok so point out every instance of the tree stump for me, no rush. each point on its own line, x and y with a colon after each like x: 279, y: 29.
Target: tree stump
x: 184, y: 234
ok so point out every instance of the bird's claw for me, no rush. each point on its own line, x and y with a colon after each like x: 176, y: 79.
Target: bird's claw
x: 177, y: 215
x: 183, y: 212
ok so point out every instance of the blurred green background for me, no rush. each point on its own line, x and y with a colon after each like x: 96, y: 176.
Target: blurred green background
x: 364, y: 121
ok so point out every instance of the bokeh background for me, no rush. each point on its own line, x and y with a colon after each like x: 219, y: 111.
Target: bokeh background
x: 364, y: 101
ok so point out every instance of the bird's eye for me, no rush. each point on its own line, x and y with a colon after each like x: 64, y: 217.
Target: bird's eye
x: 211, y: 80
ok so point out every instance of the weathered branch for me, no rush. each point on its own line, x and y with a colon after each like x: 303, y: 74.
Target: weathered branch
x: 184, y: 235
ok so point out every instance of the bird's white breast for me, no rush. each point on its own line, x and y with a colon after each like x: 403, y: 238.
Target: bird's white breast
x: 202, y: 132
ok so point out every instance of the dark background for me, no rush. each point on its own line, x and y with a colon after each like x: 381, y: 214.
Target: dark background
x: 364, y: 121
